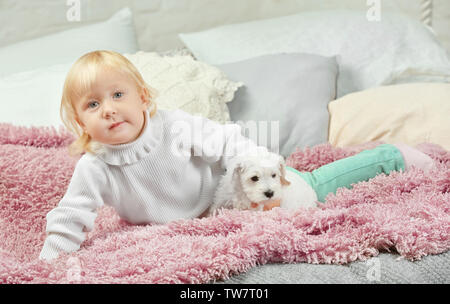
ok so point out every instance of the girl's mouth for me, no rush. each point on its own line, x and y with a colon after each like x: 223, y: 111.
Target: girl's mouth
x: 115, y: 125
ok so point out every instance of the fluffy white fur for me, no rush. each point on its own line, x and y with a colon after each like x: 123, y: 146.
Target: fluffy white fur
x: 253, y: 178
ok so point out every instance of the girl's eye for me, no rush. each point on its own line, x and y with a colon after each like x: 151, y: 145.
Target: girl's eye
x: 118, y: 94
x: 92, y: 104
x: 273, y: 175
x: 255, y: 178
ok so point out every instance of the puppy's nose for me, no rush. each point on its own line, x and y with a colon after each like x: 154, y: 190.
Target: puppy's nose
x: 269, y: 193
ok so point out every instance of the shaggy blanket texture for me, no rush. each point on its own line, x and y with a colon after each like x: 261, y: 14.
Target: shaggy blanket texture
x: 407, y: 213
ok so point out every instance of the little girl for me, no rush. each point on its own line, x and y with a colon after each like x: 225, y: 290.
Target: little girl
x: 151, y: 166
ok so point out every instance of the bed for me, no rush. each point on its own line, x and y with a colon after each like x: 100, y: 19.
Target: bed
x: 341, y: 93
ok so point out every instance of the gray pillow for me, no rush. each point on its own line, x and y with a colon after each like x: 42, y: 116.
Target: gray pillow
x: 292, y: 89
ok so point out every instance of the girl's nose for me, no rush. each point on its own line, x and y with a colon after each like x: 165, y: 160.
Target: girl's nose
x: 108, y: 109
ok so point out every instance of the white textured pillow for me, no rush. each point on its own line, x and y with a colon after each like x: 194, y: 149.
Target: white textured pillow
x: 115, y: 34
x: 395, y: 49
x: 187, y: 84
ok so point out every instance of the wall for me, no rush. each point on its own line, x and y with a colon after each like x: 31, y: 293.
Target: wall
x: 158, y: 21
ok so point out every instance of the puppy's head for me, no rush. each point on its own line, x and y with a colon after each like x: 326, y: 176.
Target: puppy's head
x: 261, y: 177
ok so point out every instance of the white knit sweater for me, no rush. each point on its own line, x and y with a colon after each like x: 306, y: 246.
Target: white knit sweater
x: 170, y: 172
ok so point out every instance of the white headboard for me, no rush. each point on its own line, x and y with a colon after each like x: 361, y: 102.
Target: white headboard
x: 427, y: 12
x: 158, y: 22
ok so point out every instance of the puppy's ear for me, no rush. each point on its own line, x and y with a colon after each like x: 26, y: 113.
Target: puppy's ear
x: 233, y: 169
x: 236, y: 168
x: 283, y: 179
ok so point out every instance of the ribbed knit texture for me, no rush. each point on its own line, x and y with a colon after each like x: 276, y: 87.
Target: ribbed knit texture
x: 147, y: 180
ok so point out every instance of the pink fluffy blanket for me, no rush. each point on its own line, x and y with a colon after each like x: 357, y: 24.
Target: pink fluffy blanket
x: 407, y: 213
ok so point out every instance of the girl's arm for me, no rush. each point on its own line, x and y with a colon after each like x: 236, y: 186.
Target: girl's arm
x: 76, y: 211
x: 213, y: 141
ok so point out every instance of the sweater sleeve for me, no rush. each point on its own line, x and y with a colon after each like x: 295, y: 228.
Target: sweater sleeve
x: 76, y: 211
x: 216, y: 142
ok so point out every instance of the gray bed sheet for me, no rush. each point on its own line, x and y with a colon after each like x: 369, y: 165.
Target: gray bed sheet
x: 386, y: 268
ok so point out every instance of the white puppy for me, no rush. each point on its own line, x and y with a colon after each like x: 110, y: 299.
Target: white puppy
x: 261, y: 182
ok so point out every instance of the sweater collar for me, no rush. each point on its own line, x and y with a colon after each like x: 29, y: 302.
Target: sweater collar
x: 142, y: 146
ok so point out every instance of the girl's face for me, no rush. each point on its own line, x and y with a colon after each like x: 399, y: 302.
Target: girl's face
x: 113, y: 111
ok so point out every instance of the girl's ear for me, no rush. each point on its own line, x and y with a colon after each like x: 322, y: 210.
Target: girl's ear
x: 145, y: 97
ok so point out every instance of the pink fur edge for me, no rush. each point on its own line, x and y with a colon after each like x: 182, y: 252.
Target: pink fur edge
x: 408, y: 213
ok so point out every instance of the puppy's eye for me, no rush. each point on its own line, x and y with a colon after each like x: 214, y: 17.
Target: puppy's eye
x: 273, y: 175
x: 255, y: 178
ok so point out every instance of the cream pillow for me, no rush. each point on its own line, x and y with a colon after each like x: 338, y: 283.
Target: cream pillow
x: 186, y: 84
x: 410, y: 113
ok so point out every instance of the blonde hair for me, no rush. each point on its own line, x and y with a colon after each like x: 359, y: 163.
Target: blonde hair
x: 79, y: 80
